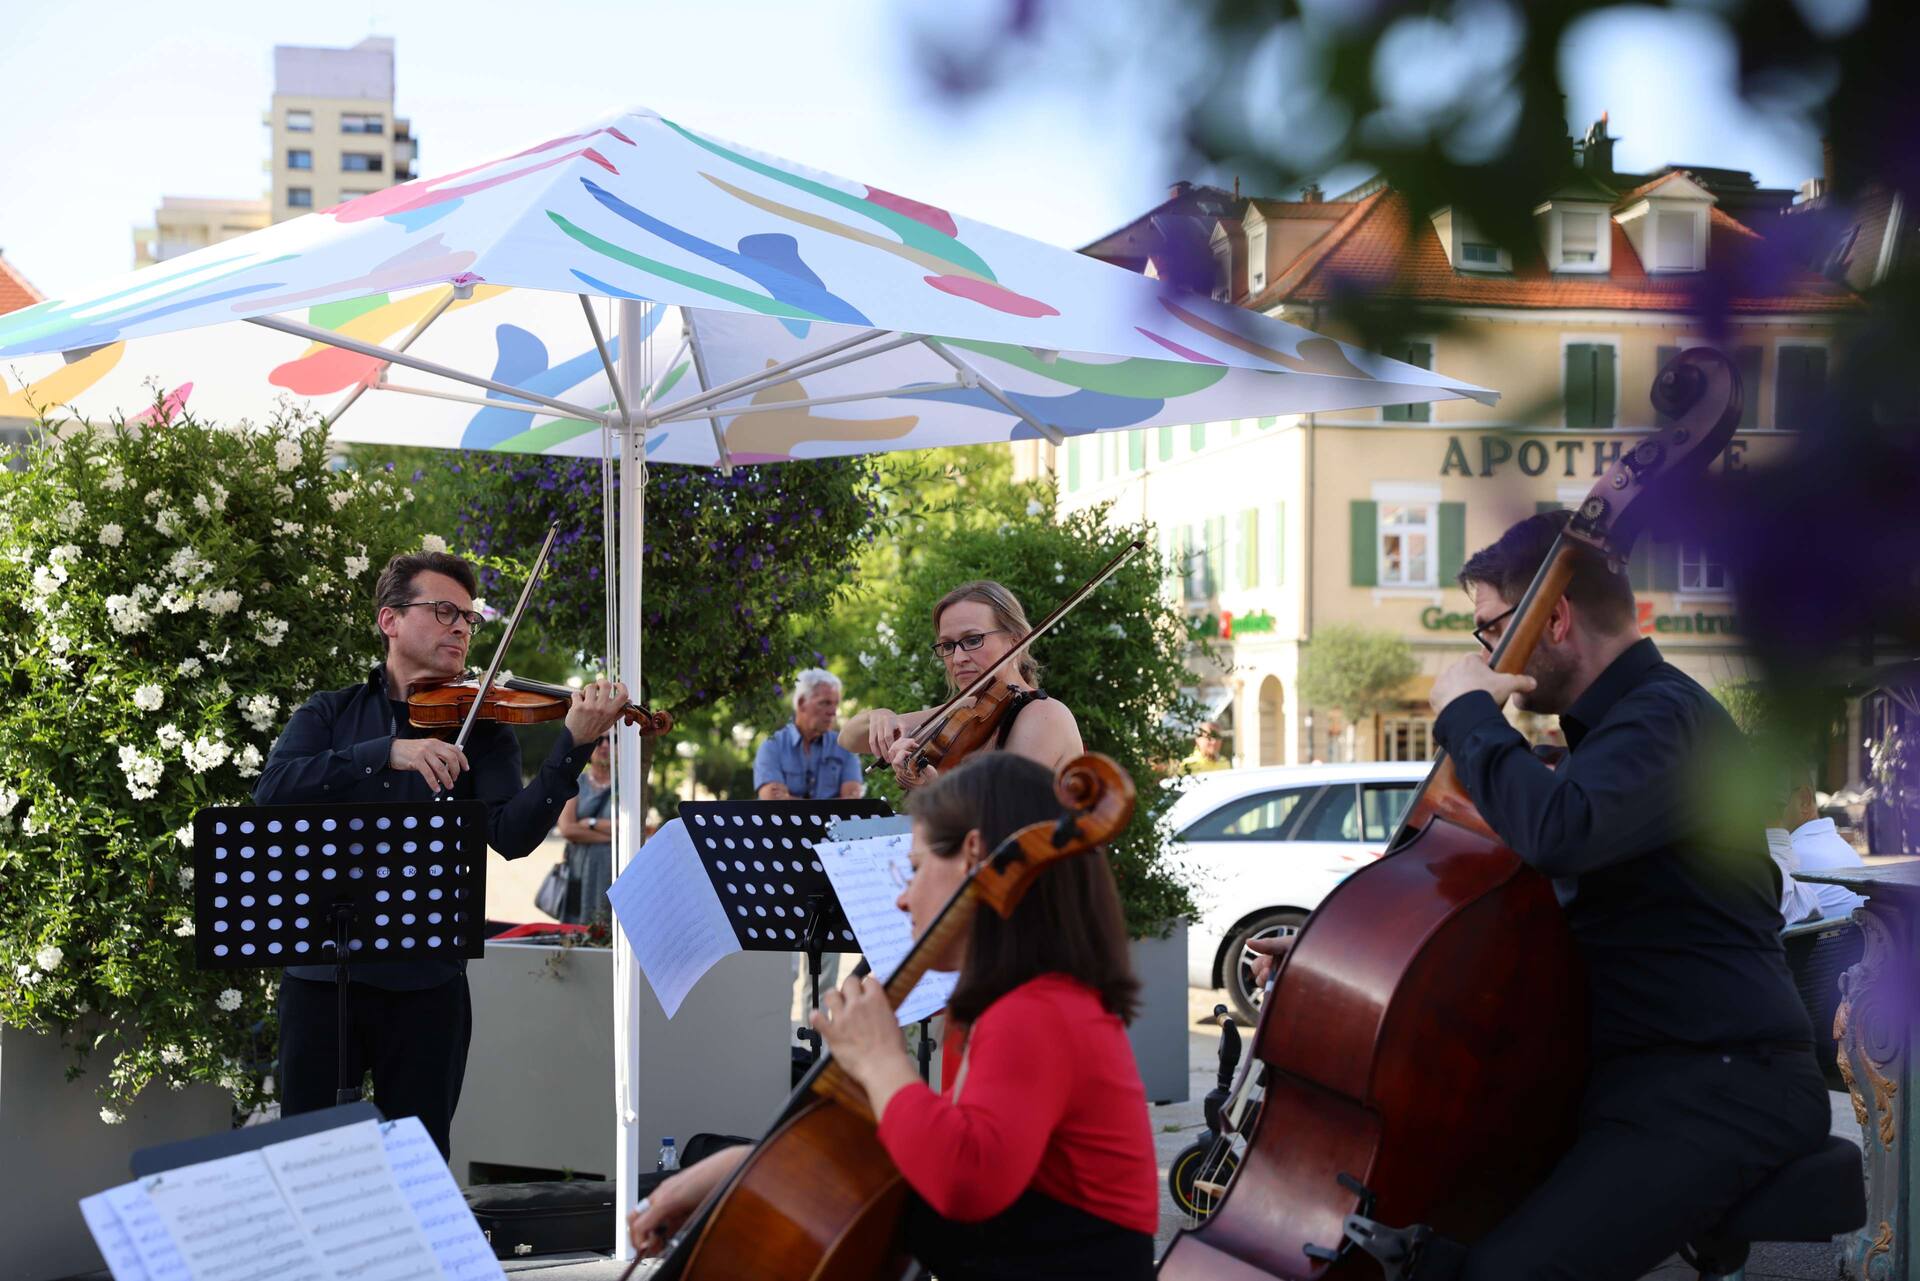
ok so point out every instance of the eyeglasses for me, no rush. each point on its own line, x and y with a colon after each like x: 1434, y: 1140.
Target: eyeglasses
x: 969, y: 642
x: 1488, y: 632
x: 445, y: 612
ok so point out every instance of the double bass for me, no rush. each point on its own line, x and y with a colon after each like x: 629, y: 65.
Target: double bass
x: 1424, y: 1041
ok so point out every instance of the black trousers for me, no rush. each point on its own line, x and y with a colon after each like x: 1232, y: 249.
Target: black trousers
x: 414, y: 1043
x: 1669, y: 1142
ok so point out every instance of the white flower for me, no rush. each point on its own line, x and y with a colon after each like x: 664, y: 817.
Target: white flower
x: 155, y: 497
x: 266, y: 1086
x: 170, y: 736
x: 126, y: 615
x: 188, y: 565
x: 272, y: 630
x: 1035, y: 507
x: 111, y: 1117
x: 248, y: 761
x: 189, y: 666
x: 71, y: 517
x: 149, y: 697
x: 339, y: 498
x: 172, y: 1055
x: 201, y: 505
x: 183, y: 930
x: 229, y: 1000
x: 47, y: 579
x: 111, y: 535
x: 286, y: 454
x: 64, y: 554
x: 220, y: 687
x: 31, y: 825
x: 8, y: 799
x: 203, y: 753
x: 167, y: 521
x: 219, y: 495
x: 259, y: 710
x: 177, y: 603
x: 433, y: 543
x: 114, y: 481
x: 287, y: 528
x: 357, y: 565
x: 283, y: 492
x: 143, y: 772
x: 58, y: 642
x: 49, y: 957
x: 221, y: 601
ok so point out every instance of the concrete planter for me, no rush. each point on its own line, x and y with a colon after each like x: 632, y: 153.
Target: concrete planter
x: 54, y: 1149
x: 1159, y: 1035
x: 539, y: 1089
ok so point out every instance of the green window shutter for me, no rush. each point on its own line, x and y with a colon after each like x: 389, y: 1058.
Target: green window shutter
x: 1364, y: 519
x: 1268, y: 421
x: 1073, y: 463
x: 1577, y: 387
x: 1216, y: 554
x: 1602, y: 385
x: 1747, y: 361
x: 1542, y: 507
x: 1136, y: 450
x: 1802, y: 385
x: 1197, y: 437
x: 1420, y: 355
x: 1249, y: 548
x: 1666, y: 565
x: 1453, y: 540
x: 1166, y: 443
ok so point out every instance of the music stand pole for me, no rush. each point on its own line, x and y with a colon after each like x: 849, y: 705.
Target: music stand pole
x: 345, y: 1091
x: 810, y: 940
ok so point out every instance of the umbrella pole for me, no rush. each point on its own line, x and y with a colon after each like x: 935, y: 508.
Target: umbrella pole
x: 628, y: 832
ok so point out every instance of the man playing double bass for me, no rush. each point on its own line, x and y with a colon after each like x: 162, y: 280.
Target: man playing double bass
x: 1703, y: 1080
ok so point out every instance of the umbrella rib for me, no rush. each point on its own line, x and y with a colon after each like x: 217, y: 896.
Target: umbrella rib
x: 1052, y: 434
x: 781, y: 406
x: 606, y: 359
x: 314, y: 334
x: 486, y: 402
x: 700, y: 375
x: 799, y: 366
x: 439, y: 309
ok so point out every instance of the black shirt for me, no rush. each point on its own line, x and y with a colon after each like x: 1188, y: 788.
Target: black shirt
x: 336, y: 748
x: 1674, y: 908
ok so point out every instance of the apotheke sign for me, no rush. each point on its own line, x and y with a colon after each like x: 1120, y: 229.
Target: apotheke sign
x: 1698, y: 623
x: 1537, y: 456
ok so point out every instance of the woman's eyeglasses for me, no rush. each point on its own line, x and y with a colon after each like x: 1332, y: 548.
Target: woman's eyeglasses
x: 1488, y: 632
x: 445, y: 612
x: 969, y: 642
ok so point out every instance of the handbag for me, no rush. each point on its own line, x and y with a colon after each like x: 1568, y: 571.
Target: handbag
x: 551, y: 898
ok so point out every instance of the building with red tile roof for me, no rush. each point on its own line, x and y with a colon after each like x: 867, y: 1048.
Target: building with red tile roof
x: 16, y: 291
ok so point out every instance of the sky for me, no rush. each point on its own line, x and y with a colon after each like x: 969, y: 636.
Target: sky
x: 114, y: 105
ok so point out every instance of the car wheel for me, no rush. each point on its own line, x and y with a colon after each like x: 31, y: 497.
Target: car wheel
x: 1238, y: 967
x: 1187, y: 1167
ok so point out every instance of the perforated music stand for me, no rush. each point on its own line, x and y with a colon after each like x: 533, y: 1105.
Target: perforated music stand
x: 759, y: 856
x: 359, y: 884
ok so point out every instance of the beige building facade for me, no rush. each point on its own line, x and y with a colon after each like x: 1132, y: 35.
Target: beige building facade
x: 183, y: 224
x: 1282, y: 526
x: 334, y: 133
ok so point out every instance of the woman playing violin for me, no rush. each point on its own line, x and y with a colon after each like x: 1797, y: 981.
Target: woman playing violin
x: 974, y: 625
x: 1037, y: 1159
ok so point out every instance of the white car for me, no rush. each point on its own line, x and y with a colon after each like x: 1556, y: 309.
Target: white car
x: 1267, y: 845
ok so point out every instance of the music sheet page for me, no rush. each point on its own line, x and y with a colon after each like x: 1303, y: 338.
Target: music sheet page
x: 672, y: 918
x: 343, y: 1193
x: 231, y: 1223
x: 438, y: 1206
x: 113, y: 1239
x: 868, y: 876
x: 147, y: 1232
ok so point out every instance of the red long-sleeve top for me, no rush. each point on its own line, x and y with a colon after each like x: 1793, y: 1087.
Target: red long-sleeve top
x: 1048, y: 1098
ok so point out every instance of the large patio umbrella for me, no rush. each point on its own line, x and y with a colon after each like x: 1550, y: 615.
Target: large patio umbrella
x: 759, y: 311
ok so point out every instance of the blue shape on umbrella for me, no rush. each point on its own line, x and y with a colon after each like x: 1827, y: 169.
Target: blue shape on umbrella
x: 522, y: 361
x: 780, y: 273
x: 414, y: 219
x: 92, y: 335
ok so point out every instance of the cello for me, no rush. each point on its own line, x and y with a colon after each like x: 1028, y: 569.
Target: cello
x: 819, y: 1197
x: 1424, y: 1041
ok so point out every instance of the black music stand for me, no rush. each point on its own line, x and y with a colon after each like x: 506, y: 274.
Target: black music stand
x: 759, y: 856
x: 369, y: 884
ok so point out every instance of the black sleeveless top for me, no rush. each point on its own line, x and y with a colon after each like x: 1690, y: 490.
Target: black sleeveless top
x: 1035, y: 1239
x: 1018, y: 704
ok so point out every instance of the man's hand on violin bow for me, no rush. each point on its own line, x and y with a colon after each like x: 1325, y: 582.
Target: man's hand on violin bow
x: 436, y: 761
x: 596, y: 708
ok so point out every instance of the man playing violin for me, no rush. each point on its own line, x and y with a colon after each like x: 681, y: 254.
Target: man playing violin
x: 974, y: 626
x: 411, y: 1020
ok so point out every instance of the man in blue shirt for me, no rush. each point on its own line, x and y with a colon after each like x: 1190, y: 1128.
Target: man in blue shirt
x: 804, y: 760
x: 410, y: 1021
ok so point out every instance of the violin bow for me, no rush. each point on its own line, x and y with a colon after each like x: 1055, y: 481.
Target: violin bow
x: 935, y: 722
x: 500, y: 650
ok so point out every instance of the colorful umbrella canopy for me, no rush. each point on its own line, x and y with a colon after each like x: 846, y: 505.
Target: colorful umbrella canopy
x: 975, y: 334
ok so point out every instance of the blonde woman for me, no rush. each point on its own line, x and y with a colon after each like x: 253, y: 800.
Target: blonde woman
x: 974, y: 625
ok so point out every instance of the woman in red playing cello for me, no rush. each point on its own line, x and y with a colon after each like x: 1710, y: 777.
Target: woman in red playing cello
x: 1037, y: 1159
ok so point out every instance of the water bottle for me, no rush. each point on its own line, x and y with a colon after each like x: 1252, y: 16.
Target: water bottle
x: 669, y: 1157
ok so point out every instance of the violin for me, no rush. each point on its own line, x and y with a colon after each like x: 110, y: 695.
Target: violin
x: 970, y: 719
x: 819, y: 1196
x: 512, y: 700
x: 1424, y: 1040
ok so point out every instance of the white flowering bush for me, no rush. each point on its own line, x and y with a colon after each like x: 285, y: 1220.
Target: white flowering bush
x: 168, y: 595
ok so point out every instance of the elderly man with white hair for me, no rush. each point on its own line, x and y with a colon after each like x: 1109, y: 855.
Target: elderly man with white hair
x: 804, y: 760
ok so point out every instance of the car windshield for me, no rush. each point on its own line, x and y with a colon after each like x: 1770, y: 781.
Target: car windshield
x: 1333, y: 819
x: 1260, y: 817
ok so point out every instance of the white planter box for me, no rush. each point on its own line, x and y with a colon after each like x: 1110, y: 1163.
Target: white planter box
x: 1159, y: 1035
x: 539, y: 1088
x: 54, y: 1149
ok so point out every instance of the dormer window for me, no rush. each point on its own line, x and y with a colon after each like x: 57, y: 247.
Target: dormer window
x: 1666, y: 221
x: 1256, y: 258
x: 1222, y: 273
x: 1574, y: 235
x: 1467, y: 249
x: 1677, y: 240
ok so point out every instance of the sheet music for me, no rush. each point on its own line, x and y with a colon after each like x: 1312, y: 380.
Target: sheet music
x: 231, y: 1222
x: 147, y: 1233
x: 672, y: 918
x: 343, y: 1194
x: 867, y: 877
x: 114, y: 1241
x: 438, y: 1206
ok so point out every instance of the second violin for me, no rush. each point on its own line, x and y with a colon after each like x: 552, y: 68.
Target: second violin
x: 513, y: 700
